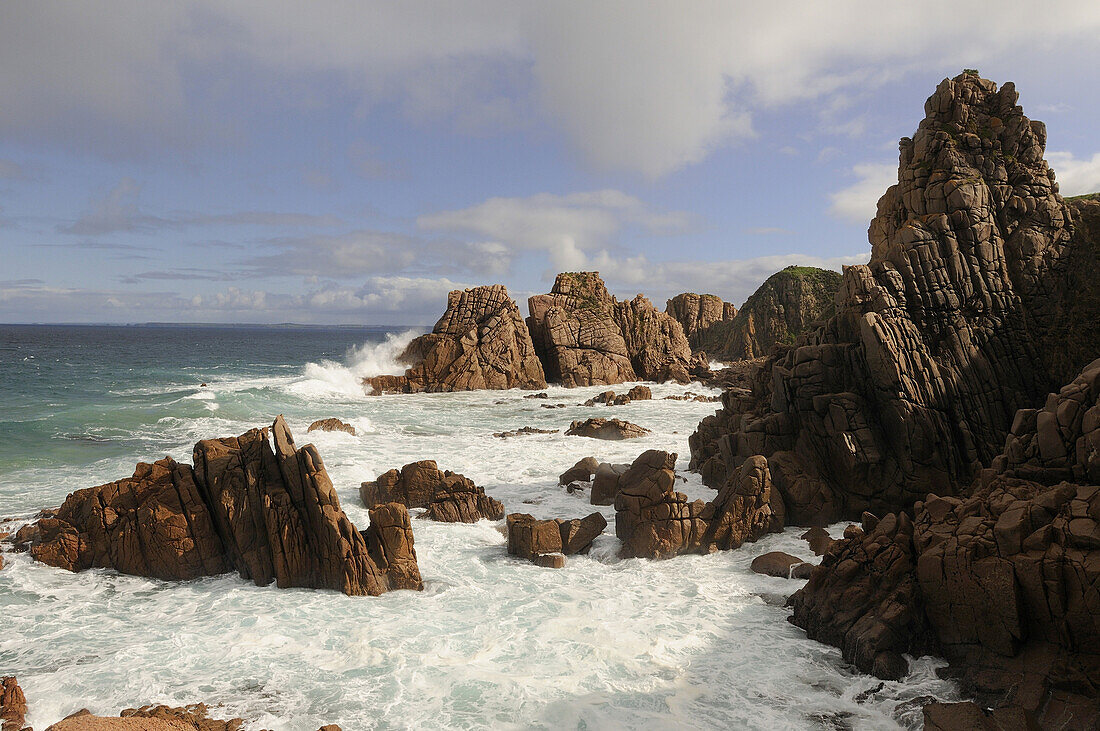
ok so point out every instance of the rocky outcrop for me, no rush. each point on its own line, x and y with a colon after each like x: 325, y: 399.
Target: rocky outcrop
x: 776, y: 563
x: 582, y: 471
x: 585, y: 337
x: 653, y: 520
x: 548, y: 542
x: 786, y: 305
x: 481, y: 342
x: 912, y: 385
x: 605, y: 483
x: 575, y: 333
x: 269, y: 513
x: 449, y: 497
x: 13, y: 705
x: 614, y: 429
x: 697, y: 314
x: 655, y: 341
x: 609, y: 398
x: 523, y: 431
x: 150, y: 718
x: 1003, y: 582
x: 331, y: 425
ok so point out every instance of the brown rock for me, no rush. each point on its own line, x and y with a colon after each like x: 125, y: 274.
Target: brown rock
x: 746, y: 508
x: 331, y: 425
x: 912, y: 384
x: 697, y: 314
x: 523, y: 431
x: 582, y: 471
x: 449, y: 497
x: 575, y: 333
x: 969, y: 716
x: 270, y: 514
x: 655, y: 341
x: 480, y: 342
x: 776, y: 563
x: 544, y: 541
x: 13, y: 705
x: 605, y: 483
x: 639, y: 393
x: 614, y: 429
x: 819, y: 540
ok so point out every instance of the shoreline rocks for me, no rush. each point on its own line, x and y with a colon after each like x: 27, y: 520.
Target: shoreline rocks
x: 271, y: 514
x: 547, y: 542
x: 480, y: 342
x: 448, y: 496
x: 611, y: 429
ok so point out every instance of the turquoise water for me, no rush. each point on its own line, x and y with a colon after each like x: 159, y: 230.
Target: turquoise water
x: 492, y: 642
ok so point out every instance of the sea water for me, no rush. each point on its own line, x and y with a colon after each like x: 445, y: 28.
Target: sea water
x: 693, y: 642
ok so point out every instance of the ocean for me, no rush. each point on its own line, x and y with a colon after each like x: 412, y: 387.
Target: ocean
x: 694, y: 642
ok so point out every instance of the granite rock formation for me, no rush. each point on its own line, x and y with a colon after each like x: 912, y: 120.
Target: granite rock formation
x: 271, y: 514
x: 697, y: 314
x: 776, y: 563
x: 605, y: 483
x: 912, y: 385
x: 480, y: 342
x: 653, y: 520
x: 547, y: 542
x: 585, y: 337
x: 614, y: 429
x: 582, y: 471
x: 331, y: 425
x: 449, y: 497
x: 13, y: 705
x: 575, y: 333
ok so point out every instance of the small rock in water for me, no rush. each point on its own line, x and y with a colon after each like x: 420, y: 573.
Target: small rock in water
x: 775, y: 563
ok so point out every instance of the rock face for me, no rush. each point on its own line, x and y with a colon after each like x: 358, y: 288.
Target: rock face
x: 13, y: 705
x: 331, y: 425
x: 585, y: 337
x: 1002, y: 582
x: 272, y: 515
x: 481, y: 342
x: 539, y: 540
x: 449, y: 497
x: 786, y: 305
x: 697, y: 314
x: 654, y: 521
x: 912, y: 385
x: 614, y: 429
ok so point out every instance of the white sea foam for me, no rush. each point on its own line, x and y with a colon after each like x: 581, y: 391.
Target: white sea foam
x: 492, y: 641
x: 329, y: 378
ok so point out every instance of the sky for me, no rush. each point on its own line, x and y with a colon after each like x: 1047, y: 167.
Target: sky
x: 352, y: 162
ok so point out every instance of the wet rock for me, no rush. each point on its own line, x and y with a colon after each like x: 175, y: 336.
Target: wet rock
x: 605, y: 483
x: 613, y: 429
x: 776, y: 563
x: 819, y: 540
x: 606, y: 397
x: 271, y: 514
x: 331, y: 425
x: 480, y: 342
x: 448, y: 496
x: 523, y: 431
x: 13, y: 705
x: 969, y: 716
x: 540, y: 395
x: 802, y: 570
x: 582, y: 471
x: 639, y: 393
x: 548, y: 542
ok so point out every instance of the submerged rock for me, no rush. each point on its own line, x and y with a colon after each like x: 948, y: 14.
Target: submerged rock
x: 480, y: 342
x: 613, y: 429
x: 271, y: 514
x: 331, y: 425
x: 448, y: 496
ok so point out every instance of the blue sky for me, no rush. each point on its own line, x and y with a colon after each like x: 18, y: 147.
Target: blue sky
x: 352, y: 162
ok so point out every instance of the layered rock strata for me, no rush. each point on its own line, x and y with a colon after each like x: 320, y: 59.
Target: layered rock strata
x: 448, y: 496
x: 480, y: 342
x: 268, y: 512
x: 912, y: 385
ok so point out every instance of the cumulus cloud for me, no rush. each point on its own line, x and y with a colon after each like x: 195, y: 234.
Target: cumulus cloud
x: 649, y: 88
x: 857, y: 203
x: 570, y: 228
x: 1075, y: 176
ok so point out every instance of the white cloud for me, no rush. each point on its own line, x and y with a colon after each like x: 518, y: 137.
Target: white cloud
x: 570, y: 228
x: 1075, y: 177
x: 857, y: 203
x: 649, y: 87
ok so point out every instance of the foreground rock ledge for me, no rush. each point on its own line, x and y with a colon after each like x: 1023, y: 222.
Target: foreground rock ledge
x: 271, y: 514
